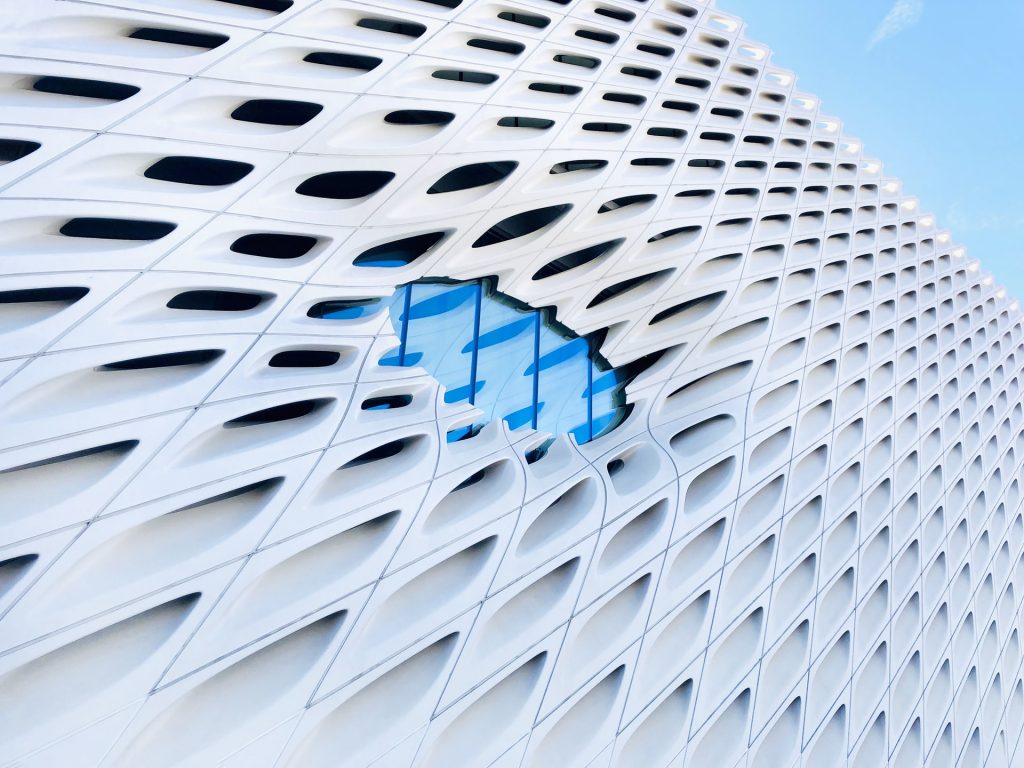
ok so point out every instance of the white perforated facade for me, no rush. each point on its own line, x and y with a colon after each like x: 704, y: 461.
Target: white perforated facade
x: 230, y: 536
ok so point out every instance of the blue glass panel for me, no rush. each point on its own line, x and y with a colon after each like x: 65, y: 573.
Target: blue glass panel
x: 501, y: 364
x: 411, y: 359
x: 581, y: 433
x: 506, y: 332
x: 440, y: 327
x: 555, y: 350
x: 602, y: 422
x: 604, y: 381
x: 350, y: 313
x: 344, y: 309
x: 459, y: 394
x: 520, y: 418
x: 563, y: 383
x: 487, y: 350
x: 433, y: 300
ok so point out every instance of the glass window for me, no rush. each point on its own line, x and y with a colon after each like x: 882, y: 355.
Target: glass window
x: 505, y: 358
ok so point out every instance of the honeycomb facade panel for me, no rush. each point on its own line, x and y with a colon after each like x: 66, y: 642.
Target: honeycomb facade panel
x: 292, y: 290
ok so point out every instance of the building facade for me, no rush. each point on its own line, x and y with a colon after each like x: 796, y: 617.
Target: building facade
x: 484, y: 383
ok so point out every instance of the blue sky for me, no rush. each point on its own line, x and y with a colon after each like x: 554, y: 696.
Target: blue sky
x: 932, y: 88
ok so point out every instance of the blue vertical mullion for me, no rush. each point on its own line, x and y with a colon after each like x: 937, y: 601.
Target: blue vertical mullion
x: 476, y: 343
x: 536, y: 370
x: 590, y: 397
x: 406, y: 306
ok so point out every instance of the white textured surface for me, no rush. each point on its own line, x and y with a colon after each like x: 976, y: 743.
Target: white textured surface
x: 811, y: 548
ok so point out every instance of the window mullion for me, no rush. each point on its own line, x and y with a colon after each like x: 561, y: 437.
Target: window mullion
x: 476, y: 343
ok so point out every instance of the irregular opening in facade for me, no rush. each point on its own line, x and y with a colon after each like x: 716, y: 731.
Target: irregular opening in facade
x: 509, y: 360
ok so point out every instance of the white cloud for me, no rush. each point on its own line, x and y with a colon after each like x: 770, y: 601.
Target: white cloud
x: 961, y: 218
x: 903, y: 15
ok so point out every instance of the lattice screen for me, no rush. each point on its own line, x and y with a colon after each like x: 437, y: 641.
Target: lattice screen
x: 802, y: 546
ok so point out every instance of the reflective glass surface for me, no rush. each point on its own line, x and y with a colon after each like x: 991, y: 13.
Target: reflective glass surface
x: 505, y: 358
